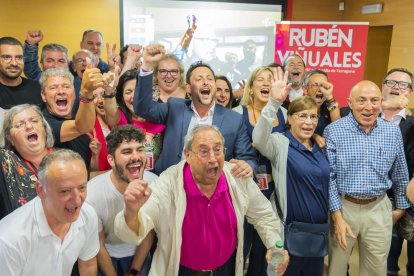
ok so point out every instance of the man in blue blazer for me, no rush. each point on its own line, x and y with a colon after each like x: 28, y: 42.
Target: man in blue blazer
x: 181, y: 114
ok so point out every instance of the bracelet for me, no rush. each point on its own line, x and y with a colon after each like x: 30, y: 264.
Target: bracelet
x: 331, y: 101
x: 133, y: 272
x: 109, y: 96
x: 84, y: 99
x: 333, y: 106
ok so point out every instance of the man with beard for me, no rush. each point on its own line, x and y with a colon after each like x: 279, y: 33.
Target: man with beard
x: 295, y: 65
x: 15, y: 89
x: 181, y: 115
x: 126, y: 155
x: 321, y: 90
x: 50, y: 233
x: 58, y: 95
x: 197, y: 208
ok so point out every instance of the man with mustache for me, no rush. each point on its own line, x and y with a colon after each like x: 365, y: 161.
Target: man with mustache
x: 126, y: 155
x: 180, y: 115
x: 295, y: 65
x: 197, y: 208
x: 14, y: 89
x: 54, y: 230
x: 366, y: 157
x: 321, y: 90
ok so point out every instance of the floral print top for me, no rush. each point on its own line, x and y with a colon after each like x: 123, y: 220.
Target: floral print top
x: 17, y: 182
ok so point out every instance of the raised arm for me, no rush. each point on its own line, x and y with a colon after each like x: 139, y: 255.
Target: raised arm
x: 144, y: 106
x: 31, y: 56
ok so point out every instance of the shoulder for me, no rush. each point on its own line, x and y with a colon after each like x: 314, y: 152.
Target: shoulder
x: 229, y: 114
x: 238, y: 109
x: 22, y: 220
x: 149, y: 177
x: 88, y: 215
x: 97, y: 185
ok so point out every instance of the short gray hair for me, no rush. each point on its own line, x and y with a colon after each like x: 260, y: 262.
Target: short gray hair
x: 91, y: 31
x: 8, y: 124
x: 311, y: 73
x: 54, y: 47
x: 189, y: 138
x: 90, y: 54
x: 55, y: 72
x: 57, y: 155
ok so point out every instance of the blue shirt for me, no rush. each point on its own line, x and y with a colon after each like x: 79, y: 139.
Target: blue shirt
x: 307, y: 181
x: 365, y: 165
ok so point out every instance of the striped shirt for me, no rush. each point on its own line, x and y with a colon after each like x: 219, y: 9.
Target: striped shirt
x: 365, y: 165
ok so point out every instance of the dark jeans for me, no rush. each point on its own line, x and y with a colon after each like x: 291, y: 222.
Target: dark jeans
x: 304, y: 266
x: 257, y: 256
x: 122, y: 265
x: 227, y: 269
x: 395, y: 252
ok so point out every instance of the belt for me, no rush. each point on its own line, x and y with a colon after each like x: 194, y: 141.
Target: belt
x: 189, y: 271
x: 361, y: 201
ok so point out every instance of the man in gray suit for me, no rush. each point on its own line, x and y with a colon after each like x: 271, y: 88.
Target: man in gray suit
x: 181, y: 115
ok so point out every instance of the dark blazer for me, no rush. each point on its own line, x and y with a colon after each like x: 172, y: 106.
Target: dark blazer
x: 176, y: 115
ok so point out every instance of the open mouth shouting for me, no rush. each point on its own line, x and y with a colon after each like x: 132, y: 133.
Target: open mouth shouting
x: 212, y: 171
x: 205, y: 93
x: 135, y: 169
x: 62, y: 103
x: 32, y: 138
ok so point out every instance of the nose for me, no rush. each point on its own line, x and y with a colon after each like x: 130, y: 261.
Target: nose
x: 13, y: 61
x: 77, y: 196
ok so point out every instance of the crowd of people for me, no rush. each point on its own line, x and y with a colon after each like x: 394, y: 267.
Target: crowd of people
x: 140, y: 166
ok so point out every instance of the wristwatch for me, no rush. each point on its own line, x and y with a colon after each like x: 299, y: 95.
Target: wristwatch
x: 109, y: 96
x: 134, y: 272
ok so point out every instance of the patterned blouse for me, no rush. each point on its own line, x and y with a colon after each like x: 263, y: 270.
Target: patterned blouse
x: 17, y: 182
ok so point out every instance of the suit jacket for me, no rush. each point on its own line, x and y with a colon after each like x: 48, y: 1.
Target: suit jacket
x: 176, y: 115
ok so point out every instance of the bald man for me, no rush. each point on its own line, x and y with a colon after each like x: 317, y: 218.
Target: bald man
x: 366, y: 157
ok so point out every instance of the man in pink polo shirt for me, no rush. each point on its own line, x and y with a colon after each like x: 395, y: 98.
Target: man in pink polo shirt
x: 197, y: 209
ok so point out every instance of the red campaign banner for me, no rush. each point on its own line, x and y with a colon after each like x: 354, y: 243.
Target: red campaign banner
x: 338, y: 48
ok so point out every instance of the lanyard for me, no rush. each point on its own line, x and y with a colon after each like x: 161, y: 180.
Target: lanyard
x: 29, y: 165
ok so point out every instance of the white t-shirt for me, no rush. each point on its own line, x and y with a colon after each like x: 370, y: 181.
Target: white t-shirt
x: 108, y: 202
x: 29, y: 247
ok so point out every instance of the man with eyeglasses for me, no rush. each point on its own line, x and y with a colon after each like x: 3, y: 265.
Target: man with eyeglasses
x: 14, y: 89
x: 53, y: 55
x: 295, y: 65
x: 197, y: 209
x: 397, y: 90
x: 366, y: 157
x: 321, y: 90
x: 181, y: 115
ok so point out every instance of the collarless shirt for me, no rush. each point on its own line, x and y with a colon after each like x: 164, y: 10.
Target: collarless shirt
x: 307, y: 181
x: 209, y: 231
x: 365, y: 164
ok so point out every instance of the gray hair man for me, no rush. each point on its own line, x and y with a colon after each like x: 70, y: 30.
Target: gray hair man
x: 56, y: 229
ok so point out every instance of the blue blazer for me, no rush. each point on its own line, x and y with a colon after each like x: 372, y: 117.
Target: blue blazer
x: 176, y: 115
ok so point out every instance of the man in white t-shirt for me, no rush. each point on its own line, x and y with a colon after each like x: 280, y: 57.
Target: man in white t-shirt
x: 54, y: 230
x: 126, y: 155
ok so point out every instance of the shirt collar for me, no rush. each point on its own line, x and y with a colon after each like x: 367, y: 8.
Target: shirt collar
x: 210, y: 111
x: 354, y: 122
x: 295, y: 143
x: 191, y: 188
x: 402, y: 114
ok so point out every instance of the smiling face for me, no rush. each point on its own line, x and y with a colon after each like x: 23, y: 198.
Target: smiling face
x: 314, y: 88
x: 128, y: 93
x: 365, y: 102
x: 64, y: 192
x: 303, y: 130
x: 261, y: 87
x: 395, y: 91
x: 128, y: 162
x: 92, y: 42
x: 202, y: 86
x: 28, y: 133
x: 168, y: 76
x: 59, y: 96
x: 13, y: 69
x: 207, y: 170
x: 296, y: 69
x: 54, y: 59
x: 99, y: 102
x: 223, y: 93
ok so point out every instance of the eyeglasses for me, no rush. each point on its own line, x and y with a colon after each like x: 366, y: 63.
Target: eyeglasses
x: 364, y: 101
x: 80, y: 60
x: 164, y: 72
x: 303, y: 117
x: 204, y: 153
x: 401, y: 84
x: 34, y: 121
x: 8, y: 58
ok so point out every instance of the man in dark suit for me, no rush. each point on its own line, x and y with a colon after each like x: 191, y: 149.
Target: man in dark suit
x: 180, y: 115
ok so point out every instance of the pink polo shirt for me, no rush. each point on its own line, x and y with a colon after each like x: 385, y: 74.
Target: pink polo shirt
x: 209, y: 228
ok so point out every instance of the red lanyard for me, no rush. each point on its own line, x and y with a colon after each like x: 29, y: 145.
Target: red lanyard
x: 49, y: 150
